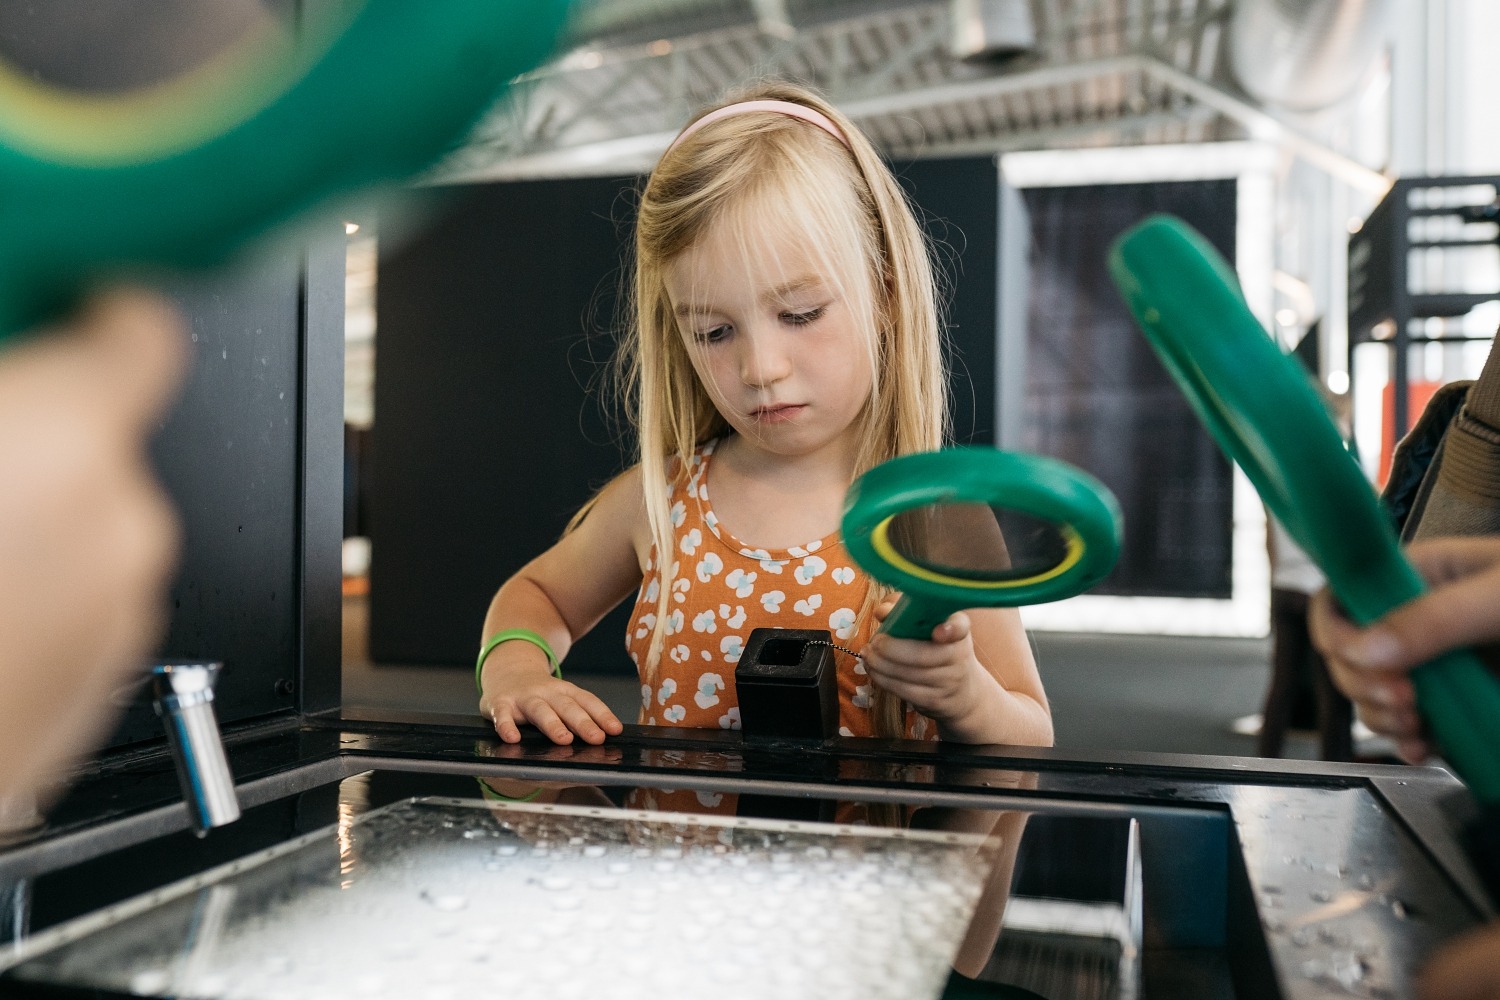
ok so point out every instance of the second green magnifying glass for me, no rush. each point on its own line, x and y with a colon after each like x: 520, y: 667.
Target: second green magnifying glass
x: 1266, y: 415
x: 975, y: 527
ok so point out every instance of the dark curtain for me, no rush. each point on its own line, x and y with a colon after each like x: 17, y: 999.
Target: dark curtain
x: 1096, y: 395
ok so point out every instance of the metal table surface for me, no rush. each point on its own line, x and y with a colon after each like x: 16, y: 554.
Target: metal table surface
x: 1296, y: 879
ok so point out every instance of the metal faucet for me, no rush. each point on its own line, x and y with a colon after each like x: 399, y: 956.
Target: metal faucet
x: 184, y: 698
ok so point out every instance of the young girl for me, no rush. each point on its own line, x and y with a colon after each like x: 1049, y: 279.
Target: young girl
x: 785, y: 340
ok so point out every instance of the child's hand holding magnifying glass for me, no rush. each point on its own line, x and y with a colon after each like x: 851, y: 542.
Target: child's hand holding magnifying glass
x: 968, y: 535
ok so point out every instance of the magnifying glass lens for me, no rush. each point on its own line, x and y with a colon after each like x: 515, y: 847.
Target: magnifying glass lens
x: 979, y: 542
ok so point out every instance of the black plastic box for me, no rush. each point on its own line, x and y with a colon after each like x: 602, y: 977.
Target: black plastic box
x: 786, y: 687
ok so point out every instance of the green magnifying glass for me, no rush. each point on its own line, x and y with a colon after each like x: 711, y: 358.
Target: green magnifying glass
x: 976, y: 527
x: 1266, y: 415
x: 185, y: 172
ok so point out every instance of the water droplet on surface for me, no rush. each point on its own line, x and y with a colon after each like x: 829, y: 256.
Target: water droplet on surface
x: 150, y: 981
x: 448, y: 902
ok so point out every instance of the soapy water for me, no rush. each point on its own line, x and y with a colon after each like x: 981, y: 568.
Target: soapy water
x: 453, y: 898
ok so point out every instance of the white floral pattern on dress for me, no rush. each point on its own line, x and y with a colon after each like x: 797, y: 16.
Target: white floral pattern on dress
x: 842, y: 623
x: 771, y: 600
x: 732, y: 647
x: 808, y: 605
x: 812, y: 567
x: 843, y: 575
x: 668, y: 689
x: 709, y: 686
x: 742, y: 583
x: 709, y: 566
x: 705, y: 622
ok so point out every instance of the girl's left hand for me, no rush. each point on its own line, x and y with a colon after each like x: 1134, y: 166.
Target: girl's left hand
x: 942, y: 678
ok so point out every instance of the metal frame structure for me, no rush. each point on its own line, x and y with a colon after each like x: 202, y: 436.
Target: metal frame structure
x: 1102, y: 73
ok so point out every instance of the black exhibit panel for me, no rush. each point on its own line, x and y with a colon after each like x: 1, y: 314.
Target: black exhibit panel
x: 492, y: 351
x: 1097, y: 396
x: 250, y: 458
x: 958, y: 203
x: 495, y: 328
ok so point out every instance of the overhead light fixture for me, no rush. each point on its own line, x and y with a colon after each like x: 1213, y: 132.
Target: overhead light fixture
x: 991, y: 29
x: 350, y: 228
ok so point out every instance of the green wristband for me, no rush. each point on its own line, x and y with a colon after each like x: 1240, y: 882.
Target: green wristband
x: 525, y: 635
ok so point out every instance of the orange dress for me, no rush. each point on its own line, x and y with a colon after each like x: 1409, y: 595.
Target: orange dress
x: 721, y: 590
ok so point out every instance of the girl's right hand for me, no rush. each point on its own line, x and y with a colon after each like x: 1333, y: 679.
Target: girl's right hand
x: 560, y: 709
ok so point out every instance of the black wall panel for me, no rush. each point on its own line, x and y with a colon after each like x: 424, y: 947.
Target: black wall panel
x: 493, y: 323
x: 228, y: 454
x: 1097, y: 396
x: 493, y: 326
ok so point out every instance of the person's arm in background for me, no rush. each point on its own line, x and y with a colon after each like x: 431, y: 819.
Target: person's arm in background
x: 88, y: 539
x: 1373, y: 666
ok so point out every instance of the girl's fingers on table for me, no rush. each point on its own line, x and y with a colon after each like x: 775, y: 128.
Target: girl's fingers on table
x: 578, y: 719
x: 505, y: 725
x: 599, y: 711
x: 542, y: 715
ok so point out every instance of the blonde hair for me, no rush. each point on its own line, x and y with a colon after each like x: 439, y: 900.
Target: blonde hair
x: 758, y: 169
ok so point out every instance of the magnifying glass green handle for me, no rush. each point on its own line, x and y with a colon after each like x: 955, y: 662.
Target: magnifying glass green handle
x: 915, y: 618
x: 186, y: 174
x: 1044, y: 488
x: 1265, y: 414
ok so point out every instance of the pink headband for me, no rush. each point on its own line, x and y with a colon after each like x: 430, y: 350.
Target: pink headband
x: 779, y: 107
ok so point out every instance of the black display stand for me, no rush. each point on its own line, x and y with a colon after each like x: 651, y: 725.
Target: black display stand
x: 1385, y: 304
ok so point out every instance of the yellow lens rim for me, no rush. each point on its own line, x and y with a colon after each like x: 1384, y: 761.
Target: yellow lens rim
x: 59, y: 125
x: 880, y: 541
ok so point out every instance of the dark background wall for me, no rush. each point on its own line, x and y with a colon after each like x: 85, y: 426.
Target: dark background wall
x: 250, y: 457
x: 1097, y: 396
x: 495, y: 326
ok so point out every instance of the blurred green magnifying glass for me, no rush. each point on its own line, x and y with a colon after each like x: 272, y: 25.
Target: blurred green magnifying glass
x: 1267, y: 416
x: 183, y: 172
x: 975, y: 527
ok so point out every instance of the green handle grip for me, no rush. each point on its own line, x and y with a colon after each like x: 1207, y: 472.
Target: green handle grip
x: 375, y: 96
x: 1265, y: 414
x: 916, y: 617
